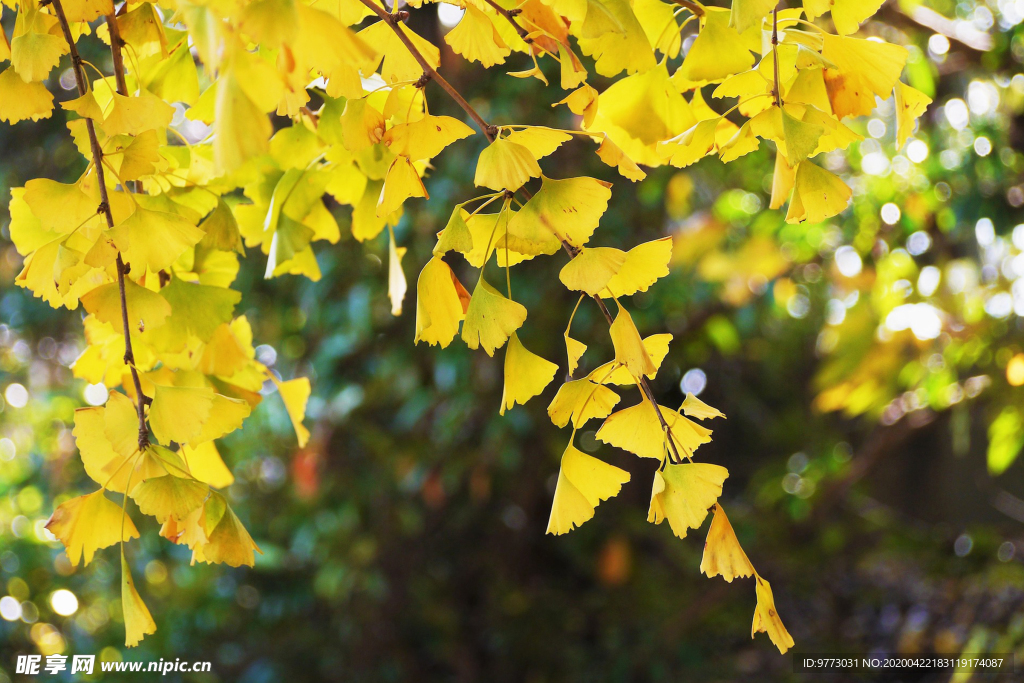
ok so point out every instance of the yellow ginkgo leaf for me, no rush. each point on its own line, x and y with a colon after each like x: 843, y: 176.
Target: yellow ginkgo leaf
x: 638, y: 430
x: 691, y: 145
x: 583, y: 482
x: 683, y: 493
x: 169, y: 495
x: 741, y: 143
x: 402, y: 182
x: 717, y: 52
x: 747, y: 13
x: 767, y: 619
x: 398, y: 63
x: 86, y: 10
x: 476, y: 38
x: 34, y: 54
x: 782, y: 181
x: 206, y: 464
x: 21, y: 100
x: 295, y: 394
x: 90, y: 522
x: 539, y: 140
x: 582, y: 102
x: 456, y: 235
x: 569, y: 209
x: 694, y: 407
x: 526, y: 374
x: 491, y: 318
x: 847, y: 15
x: 138, y: 622
x: 439, y: 307
x: 613, y: 36
x: 645, y: 264
x: 397, y: 284
x: 580, y: 400
x: 591, y: 269
x: 177, y: 414
x: 817, y: 194
x: 614, y: 372
x: 572, y: 72
x: 910, y: 104
x: 121, y: 424
x: 362, y: 126
x: 863, y: 69
x: 228, y: 541
x: 574, y: 350
x: 226, y: 415
x: 723, y: 555
x: 425, y: 138
x: 505, y: 165
x: 801, y: 137
x: 154, y: 239
x: 147, y: 310
x: 629, y: 348
x: 134, y: 115
x: 242, y: 127
x: 613, y: 156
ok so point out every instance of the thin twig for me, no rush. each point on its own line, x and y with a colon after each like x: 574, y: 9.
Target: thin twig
x: 775, y: 56
x: 104, y: 207
x: 491, y: 133
x: 510, y: 15
x: 694, y: 7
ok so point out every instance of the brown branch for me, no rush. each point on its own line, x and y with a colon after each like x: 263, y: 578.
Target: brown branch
x: 491, y: 133
x: 510, y: 16
x: 393, y: 20
x: 775, y: 56
x: 97, y: 159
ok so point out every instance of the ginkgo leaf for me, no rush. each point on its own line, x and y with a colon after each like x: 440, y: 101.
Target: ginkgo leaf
x: 691, y: 145
x: 139, y: 158
x: 226, y: 415
x: 228, y: 541
x: 526, y: 374
x: 570, y: 208
x: 456, y: 235
x: 580, y: 400
x: 613, y: 156
x: 766, y: 617
x: 86, y: 10
x: 242, y: 127
x: 425, y: 138
x: 864, y: 69
x: 491, y: 318
x: 121, y: 424
x: 747, y: 13
x: 782, y: 181
x: 138, y: 622
x: 615, y: 39
x: 476, y: 38
x: 402, y: 182
x: 583, y: 102
x: 539, y: 140
x: 439, y: 307
x: 154, y: 239
x: 205, y: 464
x: 146, y: 309
x: 21, y: 100
x: 801, y: 137
x: 34, y: 54
x: 694, y: 407
x: 398, y: 63
x: 505, y: 165
x: 362, y: 126
x: 638, y: 430
x: 741, y: 143
x: 199, y: 309
x: 817, y: 194
x: 614, y: 372
x: 723, y: 555
x: 177, y: 414
x: 61, y: 207
x: 295, y: 394
x: 105, y: 465
x: 645, y: 264
x: 683, y: 493
x: 583, y: 482
x: 134, y: 115
x: 910, y: 104
x: 90, y: 522
x: 591, y: 269
x: 397, y: 284
x: 847, y: 15
x: 574, y: 350
x: 718, y: 50
x: 169, y: 495
x: 629, y: 348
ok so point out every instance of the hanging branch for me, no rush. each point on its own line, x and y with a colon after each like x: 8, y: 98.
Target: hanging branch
x: 510, y: 15
x: 491, y: 132
x: 777, y: 92
x: 78, y: 68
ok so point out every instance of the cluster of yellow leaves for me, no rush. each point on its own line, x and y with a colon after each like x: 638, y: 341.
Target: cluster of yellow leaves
x: 248, y: 182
